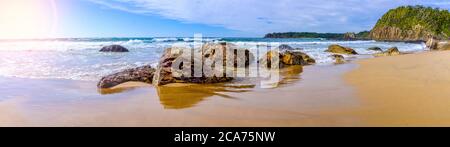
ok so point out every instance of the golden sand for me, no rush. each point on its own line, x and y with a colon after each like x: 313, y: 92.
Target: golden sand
x: 406, y: 90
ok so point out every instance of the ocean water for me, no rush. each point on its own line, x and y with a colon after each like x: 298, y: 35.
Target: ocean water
x: 80, y: 59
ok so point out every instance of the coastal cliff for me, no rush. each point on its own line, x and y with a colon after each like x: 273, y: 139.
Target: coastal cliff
x: 412, y: 23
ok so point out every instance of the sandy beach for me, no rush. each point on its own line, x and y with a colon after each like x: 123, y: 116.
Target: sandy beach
x: 404, y: 90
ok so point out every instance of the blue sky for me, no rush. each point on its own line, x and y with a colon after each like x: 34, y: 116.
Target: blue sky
x: 218, y: 18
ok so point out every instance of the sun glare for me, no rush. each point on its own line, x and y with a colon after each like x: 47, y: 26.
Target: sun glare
x: 27, y: 19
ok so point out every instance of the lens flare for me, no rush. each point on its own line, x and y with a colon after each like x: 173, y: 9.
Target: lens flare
x: 27, y: 19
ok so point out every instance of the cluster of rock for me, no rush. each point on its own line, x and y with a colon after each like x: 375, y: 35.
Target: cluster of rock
x: 435, y: 44
x: 164, y: 73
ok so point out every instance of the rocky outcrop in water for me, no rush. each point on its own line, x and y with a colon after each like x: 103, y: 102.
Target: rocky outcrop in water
x: 286, y: 58
x: 338, y: 59
x: 375, y: 49
x: 114, y: 48
x: 340, y: 50
x: 139, y: 74
x: 434, y: 44
x: 390, y: 52
x: 350, y: 36
x: 288, y: 51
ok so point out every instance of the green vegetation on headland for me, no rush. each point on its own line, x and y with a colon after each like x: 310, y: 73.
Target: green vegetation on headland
x: 405, y: 23
x: 412, y: 23
x: 339, y: 36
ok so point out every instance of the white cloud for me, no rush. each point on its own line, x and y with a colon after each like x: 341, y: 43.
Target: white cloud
x: 262, y: 16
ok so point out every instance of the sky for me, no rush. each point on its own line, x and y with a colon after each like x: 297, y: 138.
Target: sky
x: 184, y: 18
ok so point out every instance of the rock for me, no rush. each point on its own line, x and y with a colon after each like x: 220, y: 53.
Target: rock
x: 443, y: 46
x: 349, y: 36
x: 165, y: 74
x: 291, y: 58
x: 114, y: 48
x: 285, y: 47
x: 287, y: 58
x: 375, y: 49
x: 390, y: 52
x: 340, y: 50
x: 307, y: 60
x: 139, y: 74
x: 432, y: 44
x: 338, y: 59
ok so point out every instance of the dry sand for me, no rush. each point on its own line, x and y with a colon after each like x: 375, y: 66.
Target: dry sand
x: 406, y: 90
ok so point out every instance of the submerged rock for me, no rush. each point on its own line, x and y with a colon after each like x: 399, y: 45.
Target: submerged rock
x: 114, y: 48
x: 139, y: 74
x: 390, y: 52
x: 375, y: 49
x: 340, y: 50
x: 285, y: 47
x: 338, y: 59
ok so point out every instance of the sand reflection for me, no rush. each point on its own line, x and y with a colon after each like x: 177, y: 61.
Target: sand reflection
x: 183, y: 95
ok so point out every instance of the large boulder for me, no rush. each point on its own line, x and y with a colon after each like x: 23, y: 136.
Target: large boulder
x: 338, y: 59
x: 340, y: 50
x: 390, y: 52
x: 377, y: 49
x: 114, y: 48
x: 166, y: 73
x: 139, y: 74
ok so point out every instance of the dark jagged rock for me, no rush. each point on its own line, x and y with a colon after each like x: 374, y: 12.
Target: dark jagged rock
x: 375, y: 49
x: 114, y: 48
x: 139, y: 74
x: 340, y: 50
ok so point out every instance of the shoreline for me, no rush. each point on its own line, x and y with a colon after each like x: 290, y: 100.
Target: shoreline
x: 403, y: 90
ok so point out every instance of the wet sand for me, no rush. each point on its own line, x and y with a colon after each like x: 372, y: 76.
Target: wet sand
x: 303, y: 98
x: 406, y: 90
